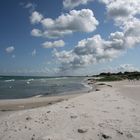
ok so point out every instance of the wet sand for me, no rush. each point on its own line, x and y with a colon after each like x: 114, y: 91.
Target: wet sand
x: 28, y: 103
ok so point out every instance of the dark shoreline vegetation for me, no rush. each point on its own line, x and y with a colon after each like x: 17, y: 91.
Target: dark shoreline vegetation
x: 117, y: 76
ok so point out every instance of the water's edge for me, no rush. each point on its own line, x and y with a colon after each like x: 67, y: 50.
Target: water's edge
x: 30, y: 87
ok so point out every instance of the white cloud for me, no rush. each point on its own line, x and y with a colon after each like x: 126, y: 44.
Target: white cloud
x: 36, y: 33
x: 10, y: 49
x: 29, y: 5
x: 127, y: 67
x: 125, y: 14
x: 36, y: 17
x: 91, y: 51
x: 122, y: 8
x: 121, y: 68
x: 58, y: 43
x: 132, y: 32
x: 34, y: 52
x: 70, y: 4
x: 74, y: 21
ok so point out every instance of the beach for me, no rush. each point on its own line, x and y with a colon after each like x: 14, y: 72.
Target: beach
x: 111, y: 112
x: 34, y: 102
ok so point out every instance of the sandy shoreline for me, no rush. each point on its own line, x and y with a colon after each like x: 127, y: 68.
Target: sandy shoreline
x: 38, y: 101
x: 110, y: 113
x: 28, y: 103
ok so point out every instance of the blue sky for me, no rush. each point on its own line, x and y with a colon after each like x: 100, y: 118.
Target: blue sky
x: 67, y: 37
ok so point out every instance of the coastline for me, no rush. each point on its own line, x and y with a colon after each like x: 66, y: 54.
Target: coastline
x: 39, y: 101
x: 34, y: 102
x: 107, y: 113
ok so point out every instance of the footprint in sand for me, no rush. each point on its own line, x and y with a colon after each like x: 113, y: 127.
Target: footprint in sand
x: 33, y: 137
x: 128, y: 135
x: 73, y: 116
x: 104, y: 111
x: 48, y: 111
x: 82, y: 130
x: 119, y: 107
x: 104, y: 136
x: 119, y: 132
x: 70, y: 106
x: 28, y: 118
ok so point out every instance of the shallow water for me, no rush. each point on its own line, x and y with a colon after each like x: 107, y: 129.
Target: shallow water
x: 23, y: 87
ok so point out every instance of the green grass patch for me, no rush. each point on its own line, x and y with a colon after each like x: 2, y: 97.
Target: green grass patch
x: 111, y: 78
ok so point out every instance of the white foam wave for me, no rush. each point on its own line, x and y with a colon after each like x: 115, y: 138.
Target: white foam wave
x: 11, y: 80
x: 61, y: 78
x: 37, y: 96
x: 29, y: 80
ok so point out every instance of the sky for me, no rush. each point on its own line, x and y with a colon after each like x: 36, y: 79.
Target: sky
x: 69, y: 37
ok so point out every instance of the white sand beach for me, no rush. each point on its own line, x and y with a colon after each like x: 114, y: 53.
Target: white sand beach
x: 111, y: 113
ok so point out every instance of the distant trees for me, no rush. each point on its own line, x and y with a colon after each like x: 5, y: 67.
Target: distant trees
x: 119, y: 76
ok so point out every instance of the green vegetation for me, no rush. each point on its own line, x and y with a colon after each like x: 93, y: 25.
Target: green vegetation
x: 118, y: 76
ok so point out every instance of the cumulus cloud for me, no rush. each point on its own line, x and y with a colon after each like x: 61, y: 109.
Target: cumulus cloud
x: 122, y: 8
x: 35, y: 17
x: 10, y: 49
x: 70, y: 4
x: 58, y: 43
x: 74, y: 21
x: 36, y: 33
x: 125, y: 14
x: 91, y: 51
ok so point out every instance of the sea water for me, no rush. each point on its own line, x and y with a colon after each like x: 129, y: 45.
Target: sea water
x: 16, y: 87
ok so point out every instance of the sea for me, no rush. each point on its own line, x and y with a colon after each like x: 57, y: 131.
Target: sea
x: 18, y: 87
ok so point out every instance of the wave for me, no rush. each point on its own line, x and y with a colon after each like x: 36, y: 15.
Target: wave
x: 61, y: 78
x: 11, y: 80
x: 29, y: 80
x: 10, y: 86
x: 86, y: 85
x: 37, y: 96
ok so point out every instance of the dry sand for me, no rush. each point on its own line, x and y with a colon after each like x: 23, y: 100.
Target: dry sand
x: 112, y: 113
